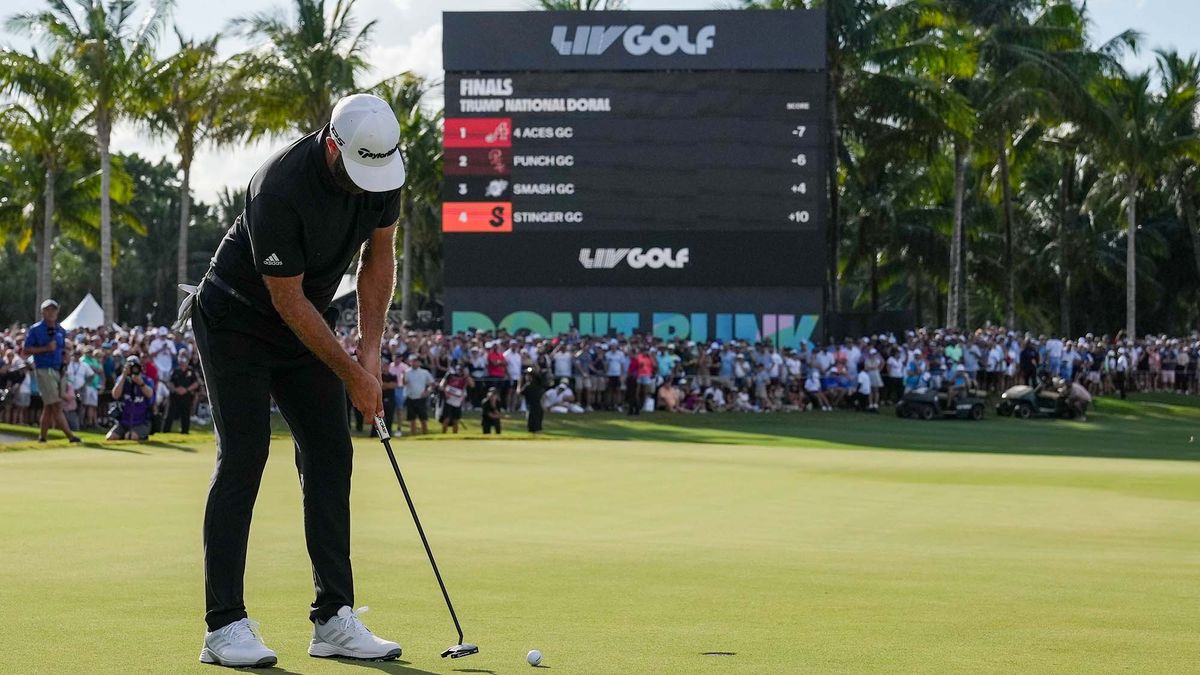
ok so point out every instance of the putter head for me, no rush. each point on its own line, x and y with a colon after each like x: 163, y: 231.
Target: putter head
x: 459, y: 651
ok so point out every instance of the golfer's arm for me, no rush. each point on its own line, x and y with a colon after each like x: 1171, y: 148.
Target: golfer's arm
x: 287, y: 295
x: 376, y: 283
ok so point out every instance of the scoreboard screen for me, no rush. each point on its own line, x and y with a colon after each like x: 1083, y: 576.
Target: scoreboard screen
x: 664, y: 151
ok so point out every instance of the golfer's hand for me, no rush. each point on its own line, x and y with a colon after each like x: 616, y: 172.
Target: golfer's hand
x: 370, y: 361
x: 366, y: 394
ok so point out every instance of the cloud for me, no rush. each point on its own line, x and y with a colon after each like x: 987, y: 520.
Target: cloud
x: 420, y: 53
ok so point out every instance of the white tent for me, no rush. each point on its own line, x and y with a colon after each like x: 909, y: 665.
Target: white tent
x: 87, y: 314
x: 348, y: 285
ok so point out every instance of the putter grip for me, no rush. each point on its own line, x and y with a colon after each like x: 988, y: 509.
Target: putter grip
x: 381, y: 429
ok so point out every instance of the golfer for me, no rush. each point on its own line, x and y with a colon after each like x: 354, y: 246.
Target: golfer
x: 257, y: 316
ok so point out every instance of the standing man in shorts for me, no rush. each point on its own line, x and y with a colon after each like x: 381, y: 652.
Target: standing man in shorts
x: 45, y: 342
x: 418, y: 383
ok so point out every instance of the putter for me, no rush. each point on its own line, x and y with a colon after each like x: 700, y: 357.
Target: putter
x: 454, y: 651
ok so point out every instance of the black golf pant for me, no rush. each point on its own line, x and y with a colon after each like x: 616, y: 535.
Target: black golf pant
x: 244, y: 371
x: 179, y: 408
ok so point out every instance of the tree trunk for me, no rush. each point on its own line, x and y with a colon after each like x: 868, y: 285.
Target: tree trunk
x: 835, y: 221
x: 406, y: 309
x: 1010, y: 310
x: 964, y: 298
x: 1131, y: 260
x: 103, y: 136
x: 45, y: 264
x: 185, y: 216
x: 39, y: 244
x: 1189, y: 219
x: 1064, y: 262
x: 953, y: 300
x: 916, y: 296
x: 874, y: 281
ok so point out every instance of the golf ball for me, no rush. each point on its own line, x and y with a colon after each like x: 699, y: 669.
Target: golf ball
x: 534, y: 657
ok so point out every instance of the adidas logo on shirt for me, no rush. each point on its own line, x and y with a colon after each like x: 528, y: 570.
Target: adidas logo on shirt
x: 272, y: 260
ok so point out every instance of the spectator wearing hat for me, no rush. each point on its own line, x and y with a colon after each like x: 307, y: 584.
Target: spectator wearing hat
x: 182, y: 392
x: 418, y: 384
x: 873, y: 367
x: 21, y: 391
x: 814, y: 391
x: 162, y: 354
x: 135, y: 391
x: 1029, y: 362
x: 45, y: 342
x: 390, y: 384
x: 1118, y: 369
x: 616, y: 363
x: 513, y: 362
x: 491, y: 412
x: 90, y: 398
x: 454, y: 387
x: 561, y: 399
x: 645, y: 364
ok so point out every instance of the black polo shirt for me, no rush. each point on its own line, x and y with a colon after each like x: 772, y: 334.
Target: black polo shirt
x: 298, y: 221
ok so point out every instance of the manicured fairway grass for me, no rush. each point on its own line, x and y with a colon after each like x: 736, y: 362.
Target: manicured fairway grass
x: 803, y: 543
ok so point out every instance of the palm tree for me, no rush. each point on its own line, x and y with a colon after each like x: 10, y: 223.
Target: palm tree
x: 300, y: 66
x: 107, y: 54
x: 421, y: 143
x: 1035, y: 65
x: 187, y: 98
x: 48, y: 122
x: 1180, y: 77
x: 867, y: 40
x: 1145, y: 135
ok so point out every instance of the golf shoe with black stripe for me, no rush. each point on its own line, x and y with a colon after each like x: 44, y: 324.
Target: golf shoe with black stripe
x: 345, y: 635
x: 238, y: 645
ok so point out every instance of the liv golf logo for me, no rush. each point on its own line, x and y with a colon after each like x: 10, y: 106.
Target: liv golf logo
x: 654, y: 258
x: 662, y: 40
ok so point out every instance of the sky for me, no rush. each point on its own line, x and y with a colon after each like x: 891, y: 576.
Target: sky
x: 409, y: 33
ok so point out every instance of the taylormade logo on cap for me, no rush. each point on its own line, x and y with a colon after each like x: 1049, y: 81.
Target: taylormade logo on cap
x: 368, y: 136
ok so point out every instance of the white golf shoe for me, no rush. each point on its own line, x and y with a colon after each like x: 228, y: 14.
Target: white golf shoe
x: 237, y: 645
x: 345, y: 635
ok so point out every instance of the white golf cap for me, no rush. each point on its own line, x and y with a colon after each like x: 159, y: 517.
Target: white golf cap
x: 368, y: 136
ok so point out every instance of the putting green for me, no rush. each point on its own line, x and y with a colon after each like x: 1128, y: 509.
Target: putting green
x: 627, y: 556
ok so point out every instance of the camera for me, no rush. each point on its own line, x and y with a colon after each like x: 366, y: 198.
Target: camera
x: 135, y: 369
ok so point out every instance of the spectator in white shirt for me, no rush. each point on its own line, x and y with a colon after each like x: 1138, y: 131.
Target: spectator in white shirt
x: 561, y: 399
x: 162, y: 352
x: 512, y: 363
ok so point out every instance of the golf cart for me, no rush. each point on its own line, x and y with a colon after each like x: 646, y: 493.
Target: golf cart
x: 926, y: 404
x: 1045, y: 400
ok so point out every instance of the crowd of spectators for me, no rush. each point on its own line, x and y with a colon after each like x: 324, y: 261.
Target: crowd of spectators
x: 153, y: 376
x: 128, y: 382
x: 634, y: 374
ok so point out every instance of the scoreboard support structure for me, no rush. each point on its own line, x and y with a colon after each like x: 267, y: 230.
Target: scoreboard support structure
x: 652, y: 172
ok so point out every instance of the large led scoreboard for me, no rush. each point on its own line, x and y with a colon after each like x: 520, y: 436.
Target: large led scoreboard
x: 661, y: 172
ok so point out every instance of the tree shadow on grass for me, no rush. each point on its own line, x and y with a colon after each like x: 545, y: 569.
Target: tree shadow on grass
x: 1117, y: 429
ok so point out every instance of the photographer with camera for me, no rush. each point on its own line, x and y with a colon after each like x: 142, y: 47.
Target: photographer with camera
x: 135, y: 394
x: 454, y: 387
